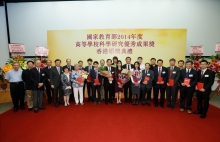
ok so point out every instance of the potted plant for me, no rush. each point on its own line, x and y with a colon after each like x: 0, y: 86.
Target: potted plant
x: 2, y: 79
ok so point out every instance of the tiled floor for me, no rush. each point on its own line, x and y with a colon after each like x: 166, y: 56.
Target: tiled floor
x: 215, y: 100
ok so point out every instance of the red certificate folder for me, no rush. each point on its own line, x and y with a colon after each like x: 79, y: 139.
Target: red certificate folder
x: 146, y: 79
x: 171, y: 82
x: 186, y: 81
x: 159, y: 79
x: 200, y: 85
x: 119, y: 81
x: 80, y: 80
x: 88, y: 78
x: 96, y: 81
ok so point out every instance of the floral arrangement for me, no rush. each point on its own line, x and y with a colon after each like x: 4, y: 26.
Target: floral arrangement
x: 17, y: 58
x: 123, y: 77
x: 137, y: 76
x: 101, y: 68
x: 2, y: 75
x: 43, y: 61
x: 7, y: 67
x: 84, y: 74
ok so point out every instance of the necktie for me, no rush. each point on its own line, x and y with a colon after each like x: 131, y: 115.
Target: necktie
x: 58, y: 69
x: 109, y: 69
x: 128, y: 67
x: 38, y: 69
x: 187, y: 73
x: 89, y: 68
x: 159, y: 73
x: 202, y: 72
x: 96, y: 73
x: 171, y: 71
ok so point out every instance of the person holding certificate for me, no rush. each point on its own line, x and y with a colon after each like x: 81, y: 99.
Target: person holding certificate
x: 118, y: 86
x: 96, y: 80
x: 160, y: 79
x: 88, y: 80
x: 173, y: 74
x: 136, y: 79
x: 127, y: 85
x: 78, y: 82
x: 188, y: 80
x: 109, y: 82
x: 204, y: 88
x: 146, y: 84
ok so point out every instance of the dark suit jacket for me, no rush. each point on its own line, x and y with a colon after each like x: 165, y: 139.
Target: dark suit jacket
x: 208, y: 79
x: 72, y: 67
x: 36, y: 78
x: 164, y: 75
x: 125, y: 66
x: 55, y: 77
x: 27, y: 80
x: 152, y: 67
x: 106, y: 81
x: 65, y: 81
x: 47, y: 73
x: 150, y: 74
x: 93, y: 76
x: 175, y: 75
x: 87, y: 69
x: 192, y: 76
x: 82, y: 68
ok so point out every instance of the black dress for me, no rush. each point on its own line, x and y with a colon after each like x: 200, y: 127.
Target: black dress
x: 117, y: 89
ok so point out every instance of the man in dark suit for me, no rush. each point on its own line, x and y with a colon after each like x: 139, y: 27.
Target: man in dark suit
x: 70, y: 68
x: 127, y: 86
x: 55, y: 81
x: 80, y: 63
x: 96, y: 87
x: 28, y: 84
x: 152, y: 63
x: 186, y: 91
x: 180, y: 65
x: 37, y: 77
x: 47, y: 82
x: 160, y: 71
x: 146, y: 86
x: 206, y: 77
x: 68, y: 65
x: 109, y: 83
x: 173, y: 74
x: 102, y: 66
x: 88, y: 82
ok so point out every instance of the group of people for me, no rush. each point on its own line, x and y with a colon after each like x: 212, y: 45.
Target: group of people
x: 63, y: 84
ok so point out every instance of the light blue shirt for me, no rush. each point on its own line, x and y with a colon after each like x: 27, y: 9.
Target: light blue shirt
x: 14, y: 76
x: 74, y: 77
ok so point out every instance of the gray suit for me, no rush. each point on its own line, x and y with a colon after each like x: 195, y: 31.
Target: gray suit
x: 171, y: 90
x: 65, y: 83
x: 146, y: 88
